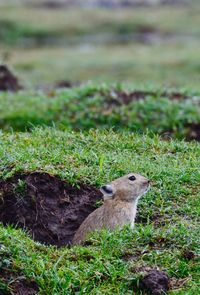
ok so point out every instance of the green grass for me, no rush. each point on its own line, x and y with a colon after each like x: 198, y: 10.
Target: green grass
x: 96, y: 158
x: 93, y: 106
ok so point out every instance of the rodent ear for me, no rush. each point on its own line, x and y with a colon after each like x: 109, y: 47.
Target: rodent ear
x: 107, y: 191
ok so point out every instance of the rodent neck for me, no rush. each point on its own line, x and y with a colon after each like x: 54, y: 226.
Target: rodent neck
x: 132, y: 201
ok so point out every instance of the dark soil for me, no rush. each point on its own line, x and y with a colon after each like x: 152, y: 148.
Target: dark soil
x: 193, y: 132
x: 49, y: 208
x: 24, y: 287
x: 188, y: 254
x: 17, y: 284
x: 156, y: 282
x: 8, y: 82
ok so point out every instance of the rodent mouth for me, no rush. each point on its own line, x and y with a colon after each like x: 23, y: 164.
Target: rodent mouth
x: 145, y: 191
x: 148, y: 188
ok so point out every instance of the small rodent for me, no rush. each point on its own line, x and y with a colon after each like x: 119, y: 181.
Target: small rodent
x: 119, y: 208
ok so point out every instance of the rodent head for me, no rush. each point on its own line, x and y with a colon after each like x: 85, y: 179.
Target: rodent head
x: 126, y: 188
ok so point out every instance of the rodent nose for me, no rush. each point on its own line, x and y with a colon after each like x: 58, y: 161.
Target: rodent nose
x: 107, y: 188
x: 104, y: 187
x: 147, y: 181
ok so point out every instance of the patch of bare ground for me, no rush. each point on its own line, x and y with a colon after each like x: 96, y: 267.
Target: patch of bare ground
x: 17, y: 284
x: 49, y: 208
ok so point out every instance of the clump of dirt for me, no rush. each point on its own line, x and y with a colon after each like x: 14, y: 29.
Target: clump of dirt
x: 159, y: 242
x: 156, y: 282
x: 66, y: 84
x: 49, y: 208
x: 193, y: 132
x: 188, y: 254
x: 8, y: 82
x: 124, y: 97
x: 129, y: 256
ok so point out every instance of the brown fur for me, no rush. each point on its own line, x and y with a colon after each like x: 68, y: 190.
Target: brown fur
x: 119, y: 207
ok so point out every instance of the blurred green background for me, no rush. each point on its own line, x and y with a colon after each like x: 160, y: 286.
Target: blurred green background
x: 137, y: 42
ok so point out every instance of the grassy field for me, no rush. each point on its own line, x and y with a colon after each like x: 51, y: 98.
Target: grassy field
x: 168, y: 231
x: 135, y: 108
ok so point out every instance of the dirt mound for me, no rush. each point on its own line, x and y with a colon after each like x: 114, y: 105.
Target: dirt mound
x: 156, y: 282
x: 124, y: 97
x: 49, y: 208
x: 153, y: 281
x: 8, y: 82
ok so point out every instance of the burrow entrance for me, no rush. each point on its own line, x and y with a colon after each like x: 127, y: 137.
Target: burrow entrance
x: 49, y: 208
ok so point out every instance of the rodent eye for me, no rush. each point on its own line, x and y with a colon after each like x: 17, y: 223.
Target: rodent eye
x: 132, y: 178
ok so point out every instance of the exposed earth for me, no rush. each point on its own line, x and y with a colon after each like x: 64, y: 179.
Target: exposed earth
x: 48, y: 208
x: 156, y: 282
